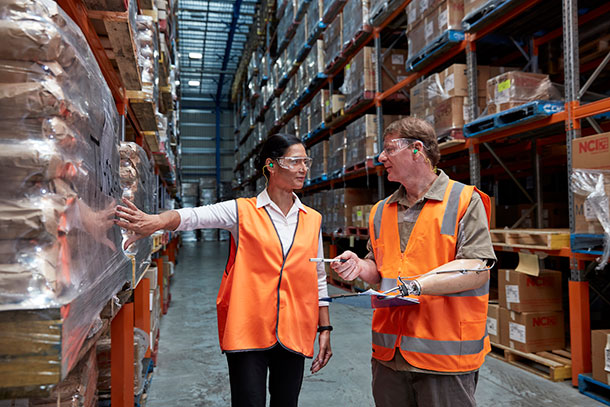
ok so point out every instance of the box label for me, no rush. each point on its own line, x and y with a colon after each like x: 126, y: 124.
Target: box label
x: 429, y: 29
x: 504, y: 85
x: 423, y: 6
x: 512, y: 293
x: 412, y: 14
x: 398, y: 59
x: 492, y: 326
x: 443, y: 22
x: 516, y: 332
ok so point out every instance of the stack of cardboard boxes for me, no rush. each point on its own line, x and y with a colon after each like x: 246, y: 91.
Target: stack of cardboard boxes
x: 429, y: 19
x: 529, y: 317
x: 319, y: 154
x: 515, y: 88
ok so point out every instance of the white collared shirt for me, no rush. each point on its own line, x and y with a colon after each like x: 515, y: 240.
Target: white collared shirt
x: 223, y: 215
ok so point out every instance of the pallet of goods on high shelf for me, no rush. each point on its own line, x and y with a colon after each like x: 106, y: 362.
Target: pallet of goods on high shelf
x: 337, y: 152
x: 434, y: 31
x: 382, y: 9
x: 479, y: 14
x: 515, y: 98
x: 319, y: 166
x: 137, y: 174
x: 333, y: 41
x: 144, y: 103
x: 62, y: 254
x: 590, y: 182
x: 115, y: 24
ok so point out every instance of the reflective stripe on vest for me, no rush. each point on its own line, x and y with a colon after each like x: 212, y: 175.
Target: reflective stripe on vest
x: 451, y: 210
x: 449, y: 348
x: 377, y: 217
x: 384, y: 340
x: 387, y: 283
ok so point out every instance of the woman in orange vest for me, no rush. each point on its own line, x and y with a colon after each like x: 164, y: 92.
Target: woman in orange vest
x: 433, y: 233
x: 268, y: 304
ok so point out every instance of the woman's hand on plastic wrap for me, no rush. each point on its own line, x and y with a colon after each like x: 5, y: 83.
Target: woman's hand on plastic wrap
x: 98, y: 223
x: 133, y: 219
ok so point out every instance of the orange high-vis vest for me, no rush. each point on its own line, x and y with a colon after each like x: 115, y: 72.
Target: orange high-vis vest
x: 444, y: 333
x: 266, y: 297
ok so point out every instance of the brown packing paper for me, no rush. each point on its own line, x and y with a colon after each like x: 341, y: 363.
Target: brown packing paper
x: 528, y: 264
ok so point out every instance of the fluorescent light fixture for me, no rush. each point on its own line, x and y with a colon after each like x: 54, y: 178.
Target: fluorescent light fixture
x: 195, y: 55
x: 194, y: 83
x: 177, y: 83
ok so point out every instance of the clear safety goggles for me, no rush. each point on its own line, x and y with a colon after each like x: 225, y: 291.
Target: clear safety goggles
x: 294, y: 163
x: 394, y: 146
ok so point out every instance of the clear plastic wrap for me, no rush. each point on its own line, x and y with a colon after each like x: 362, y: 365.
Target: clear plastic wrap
x: 355, y: 19
x: 359, y: 81
x: 336, y: 152
x: 594, y: 187
x: 333, y: 38
x: 61, y: 257
x: 319, y: 154
x: 361, y: 137
x: 515, y: 88
x: 137, y: 177
x: 148, y: 56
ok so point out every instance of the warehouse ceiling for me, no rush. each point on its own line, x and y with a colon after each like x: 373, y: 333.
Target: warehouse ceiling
x: 212, y: 36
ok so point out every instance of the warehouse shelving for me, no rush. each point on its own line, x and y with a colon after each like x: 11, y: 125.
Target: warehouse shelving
x: 561, y: 126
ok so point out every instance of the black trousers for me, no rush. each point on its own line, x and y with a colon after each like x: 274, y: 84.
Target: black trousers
x: 248, y: 377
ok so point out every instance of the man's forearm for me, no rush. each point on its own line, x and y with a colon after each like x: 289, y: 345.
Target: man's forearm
x: 433, y: 283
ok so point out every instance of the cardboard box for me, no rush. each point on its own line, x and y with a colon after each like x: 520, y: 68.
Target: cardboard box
x: 455, y: 80
x: 521, y: 292
x: 532, y: 331
x: 600, y: 355
x: 493, y: 322
x: 590, y: 153
x: 473, y: 5
x: 449, y: 114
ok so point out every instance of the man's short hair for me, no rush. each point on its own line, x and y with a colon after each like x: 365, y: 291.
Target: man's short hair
x: 414, y: 128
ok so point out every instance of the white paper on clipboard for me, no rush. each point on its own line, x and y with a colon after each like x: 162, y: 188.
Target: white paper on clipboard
x: 371, y: 299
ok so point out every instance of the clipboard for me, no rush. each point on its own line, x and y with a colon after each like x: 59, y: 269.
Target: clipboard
x: 371, y: 299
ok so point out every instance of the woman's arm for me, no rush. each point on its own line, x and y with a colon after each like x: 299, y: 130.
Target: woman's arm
x: 325, y: 352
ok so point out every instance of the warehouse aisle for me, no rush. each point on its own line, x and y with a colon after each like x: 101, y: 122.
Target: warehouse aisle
x: 192, y: 372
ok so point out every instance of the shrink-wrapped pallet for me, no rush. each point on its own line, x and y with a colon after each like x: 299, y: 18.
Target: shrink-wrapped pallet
x: 137, y: 177
x: 61, y: 257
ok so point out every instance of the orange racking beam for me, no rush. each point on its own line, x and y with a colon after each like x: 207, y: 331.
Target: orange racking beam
x: 159, y: 262
x: 141, y: 303
x: 592, y: 109
x: 122, y: 358
x: 580, y: 328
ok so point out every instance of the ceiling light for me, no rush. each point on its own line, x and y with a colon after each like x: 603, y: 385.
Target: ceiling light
x: 195, y: 55
x: 194, y: 83
x: 177, y: 83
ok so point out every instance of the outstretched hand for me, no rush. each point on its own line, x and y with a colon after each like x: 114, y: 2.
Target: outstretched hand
x: 133, y: 219
x: 350, y: 269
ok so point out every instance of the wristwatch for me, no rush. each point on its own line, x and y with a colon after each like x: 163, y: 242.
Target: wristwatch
x: 325, y: 328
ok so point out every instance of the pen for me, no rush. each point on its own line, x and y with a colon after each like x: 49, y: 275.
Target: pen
x: 321, y: 260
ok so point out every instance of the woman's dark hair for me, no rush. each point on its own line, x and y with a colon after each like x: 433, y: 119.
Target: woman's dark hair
x: 275, y: 147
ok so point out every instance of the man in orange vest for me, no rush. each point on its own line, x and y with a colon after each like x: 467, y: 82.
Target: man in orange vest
x: 432, y: 232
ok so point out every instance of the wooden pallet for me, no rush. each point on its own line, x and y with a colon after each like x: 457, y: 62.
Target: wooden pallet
x: 144, y: 109
x: 113, y: 22
x: 547, y: 239
x: 553, y: 365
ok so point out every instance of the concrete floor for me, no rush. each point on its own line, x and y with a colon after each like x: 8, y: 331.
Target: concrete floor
x: 191, y: 371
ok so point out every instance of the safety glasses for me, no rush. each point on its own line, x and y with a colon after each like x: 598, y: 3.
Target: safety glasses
x: 394, y: 146
x: 294, y: 163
